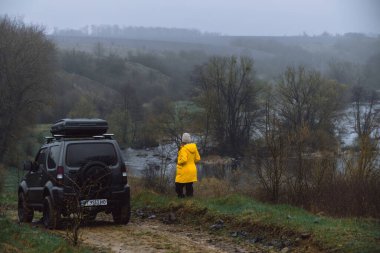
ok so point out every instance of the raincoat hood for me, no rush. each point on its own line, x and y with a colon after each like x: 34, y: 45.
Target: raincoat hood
x: 191, y: 147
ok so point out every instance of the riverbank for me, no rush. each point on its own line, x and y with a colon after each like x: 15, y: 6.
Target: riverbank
x: 280, y: 227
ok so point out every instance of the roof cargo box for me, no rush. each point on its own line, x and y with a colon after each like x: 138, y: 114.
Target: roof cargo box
x: 79, y: 127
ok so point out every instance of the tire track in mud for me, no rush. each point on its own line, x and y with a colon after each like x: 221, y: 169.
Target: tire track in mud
x: 151, y: 235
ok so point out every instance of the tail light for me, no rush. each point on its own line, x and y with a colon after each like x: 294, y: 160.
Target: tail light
x: 60, y: 172
x: 124, y: 172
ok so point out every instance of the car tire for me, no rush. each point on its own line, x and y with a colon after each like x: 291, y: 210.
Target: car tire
x: 25, y: 214
x: 122, y: 214
x: 94, y: 178
x: 50, y: 215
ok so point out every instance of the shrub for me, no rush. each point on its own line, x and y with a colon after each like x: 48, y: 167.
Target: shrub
x: 157, y: 178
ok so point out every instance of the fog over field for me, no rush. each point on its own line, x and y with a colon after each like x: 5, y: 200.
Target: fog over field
x: 240, y: 17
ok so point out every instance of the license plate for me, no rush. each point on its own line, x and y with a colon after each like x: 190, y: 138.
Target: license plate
x: 94, y: 202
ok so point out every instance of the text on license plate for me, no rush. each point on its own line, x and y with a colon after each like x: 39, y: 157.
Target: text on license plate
x: 94, y: 202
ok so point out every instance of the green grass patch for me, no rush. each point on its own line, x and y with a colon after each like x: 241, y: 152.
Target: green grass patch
x: 8, y: 196
x: 342, y: 235
x: 22, y: 237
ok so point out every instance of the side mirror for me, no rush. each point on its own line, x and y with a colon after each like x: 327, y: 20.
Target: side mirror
x: 28, y: 165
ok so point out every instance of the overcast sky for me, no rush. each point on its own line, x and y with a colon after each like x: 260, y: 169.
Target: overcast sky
x: 230, y: 17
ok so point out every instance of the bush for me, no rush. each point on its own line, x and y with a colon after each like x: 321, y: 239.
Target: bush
x: 337, y: 191
x: 156, y: 177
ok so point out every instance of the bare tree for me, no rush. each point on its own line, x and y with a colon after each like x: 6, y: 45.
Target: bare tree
x: 174, y: 121
x: 361, y: 164
x: 272, y: 164
x: 26, y: 67
x: 227, y: 93
x: 166, y: 151
x: 308, y: 104
x: 159, y: 176
x: 366, y: 126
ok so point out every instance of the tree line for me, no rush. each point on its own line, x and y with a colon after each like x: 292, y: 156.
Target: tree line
x: 27, y: 60
x: 286, y: 134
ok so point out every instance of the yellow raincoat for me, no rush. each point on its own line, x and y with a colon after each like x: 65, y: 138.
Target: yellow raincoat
x: 187, y: 157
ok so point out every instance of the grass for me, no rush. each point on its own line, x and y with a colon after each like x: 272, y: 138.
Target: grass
x: 16, y: 237
x: 342, y: 235
x: 8, y: 197
x: 351, y: 235
x: 23, y: 238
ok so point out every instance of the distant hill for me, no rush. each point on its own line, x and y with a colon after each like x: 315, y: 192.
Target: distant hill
x: 70, y: 87
x: 271, y: 54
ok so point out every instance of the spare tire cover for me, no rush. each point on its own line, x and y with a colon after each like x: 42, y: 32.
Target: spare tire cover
x: 94, y: 177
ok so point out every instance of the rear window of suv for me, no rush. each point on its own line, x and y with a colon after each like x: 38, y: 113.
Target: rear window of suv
x: 78, y: 154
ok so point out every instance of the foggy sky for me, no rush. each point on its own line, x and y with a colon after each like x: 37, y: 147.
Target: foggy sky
x: 229, y: 17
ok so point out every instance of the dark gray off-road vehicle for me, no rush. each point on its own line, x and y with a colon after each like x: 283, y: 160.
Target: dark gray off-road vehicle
x: 80, y: 168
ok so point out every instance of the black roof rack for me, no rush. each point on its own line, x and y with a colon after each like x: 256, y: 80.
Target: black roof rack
x: 58, y: 137
x: 49, y: 139
x: 108, y: 136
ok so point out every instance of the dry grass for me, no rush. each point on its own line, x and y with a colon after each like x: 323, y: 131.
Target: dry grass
x: 336, y: 192
x: 212, y: 187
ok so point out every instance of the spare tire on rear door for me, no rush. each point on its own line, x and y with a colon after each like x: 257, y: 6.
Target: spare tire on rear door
x: 94, y: 178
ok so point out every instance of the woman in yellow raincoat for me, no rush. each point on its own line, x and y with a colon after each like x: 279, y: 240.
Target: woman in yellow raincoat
x: 186, y: 173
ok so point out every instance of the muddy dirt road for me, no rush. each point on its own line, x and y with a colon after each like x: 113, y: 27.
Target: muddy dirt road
x: 152, y: 235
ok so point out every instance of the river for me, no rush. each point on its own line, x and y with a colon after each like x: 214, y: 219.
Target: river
x: 165, y: 155
x: 138, y: 159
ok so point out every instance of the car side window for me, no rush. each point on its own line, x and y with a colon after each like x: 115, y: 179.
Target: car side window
x: 41, y: 158
x: 53, y: 157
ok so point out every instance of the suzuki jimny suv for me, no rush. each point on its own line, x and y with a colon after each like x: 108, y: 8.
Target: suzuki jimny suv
x: 79, y: 169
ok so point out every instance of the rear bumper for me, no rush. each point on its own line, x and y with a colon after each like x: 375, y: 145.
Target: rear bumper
x: 114, y: 198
